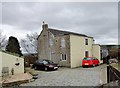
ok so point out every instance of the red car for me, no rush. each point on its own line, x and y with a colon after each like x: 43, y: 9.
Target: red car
x: 90, y: 61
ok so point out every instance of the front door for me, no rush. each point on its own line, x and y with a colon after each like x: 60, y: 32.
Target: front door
x: 86, y: 53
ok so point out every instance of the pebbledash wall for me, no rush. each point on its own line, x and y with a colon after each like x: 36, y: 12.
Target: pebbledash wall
x: 96, y: 52
x: 12, y: 62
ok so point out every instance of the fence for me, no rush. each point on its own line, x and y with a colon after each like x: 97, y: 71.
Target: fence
x: 29, y: 60
x: 112, y: 74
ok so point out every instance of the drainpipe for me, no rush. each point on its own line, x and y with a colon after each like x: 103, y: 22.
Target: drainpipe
x: 50, y: 53
x: 108, y: 74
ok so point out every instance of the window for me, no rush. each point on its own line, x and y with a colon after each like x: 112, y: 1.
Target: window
x: 63, y: 57
x: 45, y: 62
x: 62, y: 42
x: 87, y: 58
x: 39, y: 61
x: 86, y: 53
x: 86, y: 41
x: 50, y: 42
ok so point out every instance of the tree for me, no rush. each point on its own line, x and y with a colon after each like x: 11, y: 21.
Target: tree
x: 3, y: 41
x: 13, y: 46
x: 29, y: 44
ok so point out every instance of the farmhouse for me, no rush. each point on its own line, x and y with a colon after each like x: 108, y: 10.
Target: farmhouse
x: 10, y: 64
x: 66, y: 48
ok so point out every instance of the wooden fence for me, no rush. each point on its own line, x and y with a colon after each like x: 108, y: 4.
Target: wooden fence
x: 112, y: 74
x: 29, y: 60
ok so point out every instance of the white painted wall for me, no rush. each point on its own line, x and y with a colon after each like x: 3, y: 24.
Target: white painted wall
x: 96, y: 52
x: 0, y: 64
x: 9, y: 60
x: 78, y: 48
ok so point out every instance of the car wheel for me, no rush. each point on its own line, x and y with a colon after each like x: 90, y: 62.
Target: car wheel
x: 46, y: 68
x: 83, y: 66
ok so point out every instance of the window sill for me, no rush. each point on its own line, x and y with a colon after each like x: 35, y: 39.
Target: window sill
x: 63, y: 60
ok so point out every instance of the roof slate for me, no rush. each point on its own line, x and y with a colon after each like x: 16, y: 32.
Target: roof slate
x: 60, y: 32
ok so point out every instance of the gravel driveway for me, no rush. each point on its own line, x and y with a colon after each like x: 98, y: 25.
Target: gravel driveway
x: 92, y: 76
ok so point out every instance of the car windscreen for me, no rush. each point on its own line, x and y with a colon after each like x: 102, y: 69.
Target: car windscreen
x: 45, y: 62
x: 87, y: 59
x: 50, y: 62
x: 39, y: 61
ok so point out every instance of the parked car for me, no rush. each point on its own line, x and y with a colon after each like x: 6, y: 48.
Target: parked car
x: 43, y: 64
x: 90, y: 61
x: 114, y: 60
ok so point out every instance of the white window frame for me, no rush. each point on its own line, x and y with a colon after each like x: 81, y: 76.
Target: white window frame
x: 86, y: 41
x: 50, y: 42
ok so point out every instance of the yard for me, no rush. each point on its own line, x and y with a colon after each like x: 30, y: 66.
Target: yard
x: 92, y: 76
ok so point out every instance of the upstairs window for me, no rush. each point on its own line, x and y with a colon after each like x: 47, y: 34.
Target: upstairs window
x: 86, y: 41
x: 50, y: 42
x: 62, y: 42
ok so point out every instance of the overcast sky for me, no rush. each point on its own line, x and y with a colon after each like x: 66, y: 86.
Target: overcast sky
x: 96, y: 19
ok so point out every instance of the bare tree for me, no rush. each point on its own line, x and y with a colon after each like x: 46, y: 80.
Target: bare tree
x: 3, y: 41
x: 29, y: 44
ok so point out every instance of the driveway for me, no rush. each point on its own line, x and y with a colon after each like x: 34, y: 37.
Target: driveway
x: 92, y: 76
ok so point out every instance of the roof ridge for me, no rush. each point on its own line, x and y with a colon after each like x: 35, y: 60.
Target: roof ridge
x: 67, y: 32
x: 62, y: 30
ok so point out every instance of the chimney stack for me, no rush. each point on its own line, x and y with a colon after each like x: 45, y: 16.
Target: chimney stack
x: 44, y: 26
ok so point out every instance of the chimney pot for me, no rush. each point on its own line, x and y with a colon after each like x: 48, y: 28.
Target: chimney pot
x: 44, y: 26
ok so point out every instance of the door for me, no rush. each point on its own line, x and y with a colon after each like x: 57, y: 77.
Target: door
x: 86, y: 53
x: 39, y: 64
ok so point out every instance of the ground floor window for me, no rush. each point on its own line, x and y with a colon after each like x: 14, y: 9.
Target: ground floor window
x: 63, y: 57
x: 86, y: 53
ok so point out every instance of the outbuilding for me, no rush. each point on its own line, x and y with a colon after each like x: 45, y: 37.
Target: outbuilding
x: 10, y: 64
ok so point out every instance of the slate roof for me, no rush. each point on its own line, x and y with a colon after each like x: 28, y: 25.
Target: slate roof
x: 60, y: 32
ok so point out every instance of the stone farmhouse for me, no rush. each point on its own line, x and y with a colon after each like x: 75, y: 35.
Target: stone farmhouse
x: 66, y: 48
x: 10, y: 64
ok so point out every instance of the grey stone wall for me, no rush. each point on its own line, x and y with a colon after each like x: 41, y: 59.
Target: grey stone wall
x: 49, y: 47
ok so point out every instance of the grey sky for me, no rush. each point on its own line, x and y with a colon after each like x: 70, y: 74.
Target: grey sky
x: 96, y: 19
